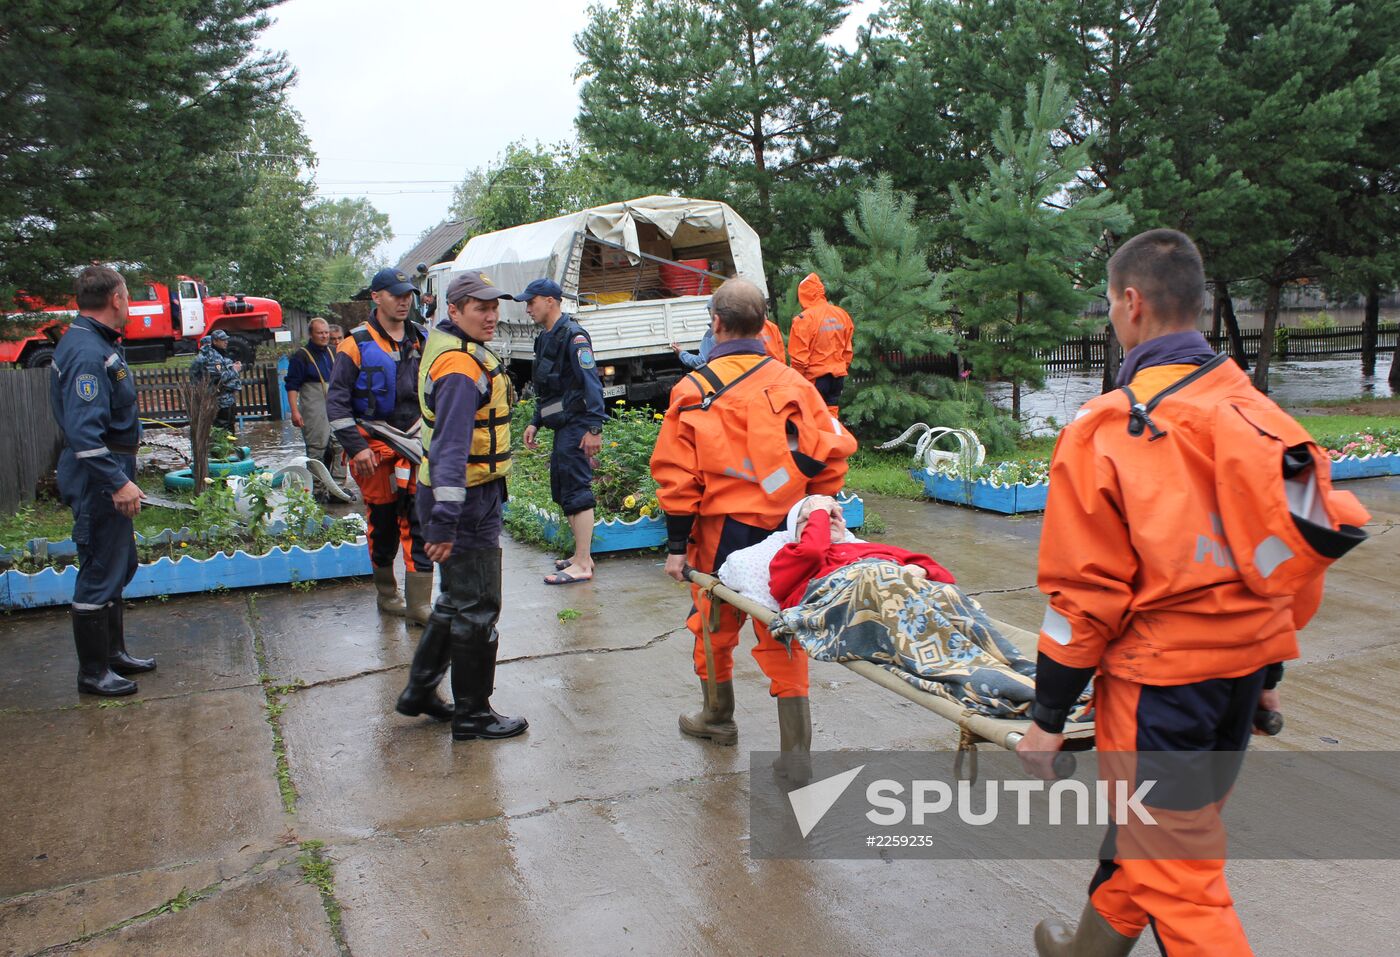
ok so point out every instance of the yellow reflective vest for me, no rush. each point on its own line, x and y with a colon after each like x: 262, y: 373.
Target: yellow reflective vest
x: 446, y: 354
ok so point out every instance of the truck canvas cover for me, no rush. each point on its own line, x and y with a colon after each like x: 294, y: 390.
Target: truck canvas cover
x: 511, y: 258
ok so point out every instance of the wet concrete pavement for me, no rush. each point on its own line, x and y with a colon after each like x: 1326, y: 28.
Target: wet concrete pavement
x: 159, y: 826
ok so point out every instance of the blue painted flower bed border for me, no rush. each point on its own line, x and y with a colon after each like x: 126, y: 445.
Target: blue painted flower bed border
x: 1006, y: 499
x: 188, y: 575
x: 616, y: 535
x: 1017, y: 499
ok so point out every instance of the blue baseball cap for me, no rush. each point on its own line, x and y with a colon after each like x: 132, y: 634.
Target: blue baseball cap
x: 218, y: 334
x: 392, y: 281
x: 541, y: 287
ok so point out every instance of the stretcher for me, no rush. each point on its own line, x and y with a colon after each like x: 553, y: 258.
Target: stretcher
x: 973, y: 728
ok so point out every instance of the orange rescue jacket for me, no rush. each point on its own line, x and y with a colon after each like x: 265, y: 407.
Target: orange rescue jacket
x: 773, y: 340
x: 820, y: 341
x: 753, y: 452
x: 1134, y: 558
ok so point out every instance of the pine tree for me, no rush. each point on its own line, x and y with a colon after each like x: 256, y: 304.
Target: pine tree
x: 1021, y: 293
x: 120, y: 126
x: 735, y: 100
x: 896, y: 302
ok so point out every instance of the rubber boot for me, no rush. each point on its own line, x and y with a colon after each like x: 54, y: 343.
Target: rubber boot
x: 471, y: 584
x: 1094, y: 937
x: 388, y: 587
x: 715, y: 720
x: 418, y: 596
x: 426, y: 673
x: 795, y: 740
x: 95, y: 675
x: 121, y: 662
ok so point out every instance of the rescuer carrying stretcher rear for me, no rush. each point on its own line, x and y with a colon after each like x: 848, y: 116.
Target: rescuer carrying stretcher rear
x: 1187, y: 530
x: 744, y: 439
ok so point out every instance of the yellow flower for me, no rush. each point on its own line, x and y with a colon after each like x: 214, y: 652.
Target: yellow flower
x: 629, y: 502
x: 621, y: 402
x: 658, y: 416
x: 646, y: 510
x: 612, y: 445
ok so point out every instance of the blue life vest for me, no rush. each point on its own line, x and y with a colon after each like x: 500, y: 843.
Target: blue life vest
x: 376, y: 387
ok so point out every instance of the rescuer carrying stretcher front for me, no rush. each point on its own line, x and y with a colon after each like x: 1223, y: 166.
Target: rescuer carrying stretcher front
x: 744, y: 439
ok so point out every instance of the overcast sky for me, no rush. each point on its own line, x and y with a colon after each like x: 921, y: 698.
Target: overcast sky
x: 456, y: 79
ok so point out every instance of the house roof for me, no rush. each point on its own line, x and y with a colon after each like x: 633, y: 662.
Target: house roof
x: 434, y: 247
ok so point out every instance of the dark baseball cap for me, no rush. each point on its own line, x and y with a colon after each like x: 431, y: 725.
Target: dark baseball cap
x: 218, y: 334
x: 541, y: 287
x: 395, y: 282
x: 473, y: 285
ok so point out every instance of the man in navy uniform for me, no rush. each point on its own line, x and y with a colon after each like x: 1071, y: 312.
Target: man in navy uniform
x: 93, y: 398
x: 569, y: 400
x: 213, y: 362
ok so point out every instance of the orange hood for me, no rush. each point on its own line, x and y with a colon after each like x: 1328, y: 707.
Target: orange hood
x: 811, y: 292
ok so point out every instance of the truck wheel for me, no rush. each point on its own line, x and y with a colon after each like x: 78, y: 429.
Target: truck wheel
x: 243, y: 349
x: 39, y: 358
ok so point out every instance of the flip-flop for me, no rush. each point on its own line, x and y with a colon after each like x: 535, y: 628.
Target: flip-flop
x: 564, y: 578
x: 562, y: 563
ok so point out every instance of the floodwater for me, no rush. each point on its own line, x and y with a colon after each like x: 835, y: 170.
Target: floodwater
x: 1294, y: 384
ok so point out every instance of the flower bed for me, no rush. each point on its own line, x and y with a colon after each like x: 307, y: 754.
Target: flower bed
x: 1012, y: 487
x: 219, y: 553
x: 627, y: 515
x: 615, y: 535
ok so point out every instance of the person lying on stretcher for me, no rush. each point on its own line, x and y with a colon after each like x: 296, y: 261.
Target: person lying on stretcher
x: 823, y: 544
x: 842, y: 599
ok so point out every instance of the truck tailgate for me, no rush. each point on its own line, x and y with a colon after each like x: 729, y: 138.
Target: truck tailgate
x: 623, y: 329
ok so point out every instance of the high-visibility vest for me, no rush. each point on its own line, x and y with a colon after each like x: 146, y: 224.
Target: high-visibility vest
x: 489, y: 455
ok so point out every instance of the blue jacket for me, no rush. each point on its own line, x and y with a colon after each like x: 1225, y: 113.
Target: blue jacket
x: 214, y: 364
x: 93, y: 398
x: 566, y: 378
x: 693, y: 360
x: 364, y: 371
x: 316, y: 368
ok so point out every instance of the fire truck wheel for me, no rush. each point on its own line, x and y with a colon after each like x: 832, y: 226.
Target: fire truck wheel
x: 39, y: 358
x: 243, y: 349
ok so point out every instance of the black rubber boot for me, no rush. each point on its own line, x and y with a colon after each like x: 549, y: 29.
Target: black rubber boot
x: 426, y: 673
x: 1094, y: 937
x: 121, y: 662
x: 471, y: 588
x: 95, y: 675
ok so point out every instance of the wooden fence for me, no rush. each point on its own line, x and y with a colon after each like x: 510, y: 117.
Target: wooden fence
x: 160, y: 394
x: 1087, y: 352
x: 29, y: 437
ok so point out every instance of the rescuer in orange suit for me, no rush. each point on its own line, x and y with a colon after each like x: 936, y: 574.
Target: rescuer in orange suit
x: 1183, y: 634
x: 773, y: 341
x: 745, y: 438
x: 819, y: 343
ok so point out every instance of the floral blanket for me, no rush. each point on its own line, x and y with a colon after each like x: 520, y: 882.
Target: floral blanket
x: 928, y: 633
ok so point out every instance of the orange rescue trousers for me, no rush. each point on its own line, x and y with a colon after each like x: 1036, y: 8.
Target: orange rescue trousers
x: 712, y: 540
x: 393, y: 521
x: 1185, y: 901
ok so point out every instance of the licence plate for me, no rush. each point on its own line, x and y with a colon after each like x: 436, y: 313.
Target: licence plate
x: 613, y: 391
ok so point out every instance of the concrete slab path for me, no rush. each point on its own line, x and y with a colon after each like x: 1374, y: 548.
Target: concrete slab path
x: 259, y: 797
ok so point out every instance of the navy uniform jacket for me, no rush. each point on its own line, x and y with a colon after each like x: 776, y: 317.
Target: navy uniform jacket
x: 568, y: 389
x: 93, y: 399
x: 301, y: 370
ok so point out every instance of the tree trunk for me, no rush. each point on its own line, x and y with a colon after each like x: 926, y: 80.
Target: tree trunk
x: 1111, y: 359
x: 1266, y: 337
x: 1232, y: 325
x: 1370, y: 329
x: 1016, y: 399
x: 1395, y: 370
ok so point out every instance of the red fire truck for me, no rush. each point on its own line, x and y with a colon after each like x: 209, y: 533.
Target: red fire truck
x: 163, y: 322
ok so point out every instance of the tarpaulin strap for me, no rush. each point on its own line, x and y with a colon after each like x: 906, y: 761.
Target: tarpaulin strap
x: 708, y: 622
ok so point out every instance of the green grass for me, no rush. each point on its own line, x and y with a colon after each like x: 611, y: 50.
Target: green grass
x: 1323, y: 426
x: 47, y: 518
x: 316, y: 870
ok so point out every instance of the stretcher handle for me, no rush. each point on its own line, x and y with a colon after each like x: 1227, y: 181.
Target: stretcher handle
x: 1269, y: 722
x: 1064, y: 764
